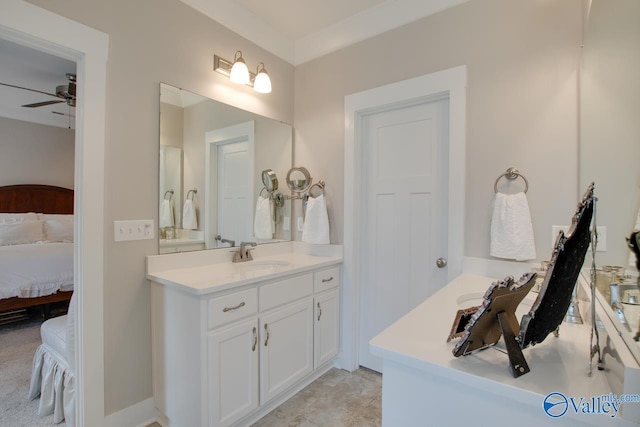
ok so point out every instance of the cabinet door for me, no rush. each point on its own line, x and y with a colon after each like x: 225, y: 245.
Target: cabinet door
x: 286, y: 347
x: 326, y: 327
x: 233, y: 373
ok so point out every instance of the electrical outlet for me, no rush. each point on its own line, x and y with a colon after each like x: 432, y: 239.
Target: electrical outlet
x: 602, y: 236
x: 286, y: 223
x: 300, y: 223
x: 140, y: 229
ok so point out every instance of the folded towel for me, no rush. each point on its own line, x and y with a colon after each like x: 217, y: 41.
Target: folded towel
x: 189, y: 219
x: 316, y: 223
x: 262, y: 224
x: 511, y: 228
x: 166, y: 214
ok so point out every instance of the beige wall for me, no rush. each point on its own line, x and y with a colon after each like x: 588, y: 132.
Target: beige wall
x: 31, y: 153
x: 153, y: 41
x: 522, y: 59
x: 610, y: 129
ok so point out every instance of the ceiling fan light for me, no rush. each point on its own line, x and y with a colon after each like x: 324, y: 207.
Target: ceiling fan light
x: 239, y: 71
x: 262, y: 82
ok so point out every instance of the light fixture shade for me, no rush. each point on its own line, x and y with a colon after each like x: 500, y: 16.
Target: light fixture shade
x: 262, y: 82
x: 239, y: 71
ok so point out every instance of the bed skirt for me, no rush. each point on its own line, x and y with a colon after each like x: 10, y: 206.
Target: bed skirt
x: 53, y: 381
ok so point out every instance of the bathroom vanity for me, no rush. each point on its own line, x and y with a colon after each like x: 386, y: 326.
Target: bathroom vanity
x: 423, y: 382
x: 231, y: 341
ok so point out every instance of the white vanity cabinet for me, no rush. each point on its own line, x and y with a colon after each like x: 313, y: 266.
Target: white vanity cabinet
x: 226, y: 358
x: 232, y: 364
x: 326, y: 326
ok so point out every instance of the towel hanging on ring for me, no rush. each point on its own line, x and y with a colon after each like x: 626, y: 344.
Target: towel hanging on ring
x: 511, y: 228
x: 316, y: 222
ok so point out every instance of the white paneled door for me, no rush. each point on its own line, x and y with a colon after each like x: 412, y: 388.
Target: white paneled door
x: 229, y: 183
x: 404, y: 216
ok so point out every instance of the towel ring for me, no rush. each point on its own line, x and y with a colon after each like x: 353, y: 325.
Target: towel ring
x: 320, y: 186
x: 170, y: 192
x: 511, y: 174
x: 194, y: 191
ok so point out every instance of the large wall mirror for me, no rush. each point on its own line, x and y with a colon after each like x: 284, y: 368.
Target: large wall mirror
x: 213, y: 158
x: 610, y: 133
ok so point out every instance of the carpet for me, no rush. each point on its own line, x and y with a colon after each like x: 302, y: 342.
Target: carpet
x: 18, y: 344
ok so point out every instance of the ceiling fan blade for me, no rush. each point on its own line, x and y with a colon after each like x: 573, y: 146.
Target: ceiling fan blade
x: 32, y: 90
x: 42, y: 104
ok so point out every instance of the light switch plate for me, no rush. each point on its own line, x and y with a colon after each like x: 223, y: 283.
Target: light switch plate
x: 140, y: 229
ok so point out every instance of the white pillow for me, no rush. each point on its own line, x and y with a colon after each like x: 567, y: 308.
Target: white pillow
x: 12, y: 218
x: 58, y: 228
x: 23, y: 232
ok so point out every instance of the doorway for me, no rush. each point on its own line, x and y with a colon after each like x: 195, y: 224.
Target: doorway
x: 32, y: 26
x: 447, y: 84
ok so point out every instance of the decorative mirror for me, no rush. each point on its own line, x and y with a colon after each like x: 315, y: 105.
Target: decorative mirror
x: 298, y: 179
x: 270, y: 180
x: 567, y: 258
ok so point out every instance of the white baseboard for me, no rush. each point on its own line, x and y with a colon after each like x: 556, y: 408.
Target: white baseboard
x: 139, y: 415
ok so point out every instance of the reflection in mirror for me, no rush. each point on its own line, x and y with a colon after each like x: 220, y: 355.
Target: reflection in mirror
x: 609, y: 141
x: 223, y: 152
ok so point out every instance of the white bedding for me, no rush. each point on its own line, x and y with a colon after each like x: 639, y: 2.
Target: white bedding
x: 35, y: 269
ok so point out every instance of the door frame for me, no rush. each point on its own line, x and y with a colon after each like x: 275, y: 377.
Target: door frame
x: 32, y: 26
x: 450, y: 83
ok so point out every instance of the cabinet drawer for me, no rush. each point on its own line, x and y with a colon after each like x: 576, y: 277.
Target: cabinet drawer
x: 232, y: 307
x: 326, y: 279
x: 285, y: 291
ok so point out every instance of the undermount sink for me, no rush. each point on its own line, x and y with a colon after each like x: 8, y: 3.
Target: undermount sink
x: 262, y: 266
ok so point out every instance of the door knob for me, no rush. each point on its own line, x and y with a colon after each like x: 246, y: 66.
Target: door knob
x: 441, y: 262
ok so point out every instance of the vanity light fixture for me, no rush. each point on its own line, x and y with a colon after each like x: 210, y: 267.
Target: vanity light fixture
x: 262, y: 82
x: 238, y: 72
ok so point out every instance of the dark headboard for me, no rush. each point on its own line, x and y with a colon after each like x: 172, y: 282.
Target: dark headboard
x: 36, y: 198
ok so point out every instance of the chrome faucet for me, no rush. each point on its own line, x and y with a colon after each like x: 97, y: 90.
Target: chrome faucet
x: 243, y: 254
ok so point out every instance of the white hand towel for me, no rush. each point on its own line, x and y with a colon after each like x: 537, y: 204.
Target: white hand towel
x: 189, y: 219
x: 632, y: 256
x: 166, y: 214
x: 511, y: 228
x: 262, y: 224
x: 316, y: 223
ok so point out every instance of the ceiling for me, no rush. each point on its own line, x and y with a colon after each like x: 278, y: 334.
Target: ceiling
x: 295, y: 30
x: 30, y: 68
x: 301, y: 30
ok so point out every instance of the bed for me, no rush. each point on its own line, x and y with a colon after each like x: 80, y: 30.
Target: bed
x: 35, y: 271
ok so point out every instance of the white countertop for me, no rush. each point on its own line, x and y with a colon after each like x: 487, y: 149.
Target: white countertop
x: 212, y: 271
x: 418, y: 340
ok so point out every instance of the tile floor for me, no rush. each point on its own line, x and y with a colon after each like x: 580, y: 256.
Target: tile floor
x: 336, y: 399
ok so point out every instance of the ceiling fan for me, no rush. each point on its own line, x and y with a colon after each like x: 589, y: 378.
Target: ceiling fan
x: 65, y: 93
